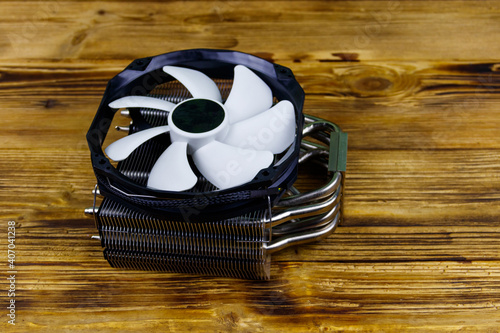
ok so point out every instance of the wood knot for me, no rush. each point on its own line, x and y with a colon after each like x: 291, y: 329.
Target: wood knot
x: 50, y: 103
x: 78, y: 38
x: 346, y: 56
x: 265, y: 55
x: 377, y: 81
x: 372, y: 84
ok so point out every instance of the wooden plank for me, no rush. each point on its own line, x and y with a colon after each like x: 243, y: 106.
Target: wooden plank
x: 384, y: 188
x: 420, y: 106
x: 359, y: 271
x: 424, y: 30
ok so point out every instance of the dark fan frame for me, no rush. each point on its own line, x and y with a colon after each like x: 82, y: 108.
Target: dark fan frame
x: 142, y: 76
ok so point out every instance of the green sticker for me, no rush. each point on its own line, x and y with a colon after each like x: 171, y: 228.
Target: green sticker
x: 338, y: 152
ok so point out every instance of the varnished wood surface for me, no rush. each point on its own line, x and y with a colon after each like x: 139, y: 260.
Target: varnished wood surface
x: 415, y: 84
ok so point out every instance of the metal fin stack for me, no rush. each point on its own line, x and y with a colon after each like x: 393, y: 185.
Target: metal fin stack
x: 231, y: 247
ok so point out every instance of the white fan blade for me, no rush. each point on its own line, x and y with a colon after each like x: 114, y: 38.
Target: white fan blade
x: 198, y: 84
x: 249, y: 95
x: 172, y: 171
x: 121, y: 149
x: 272, y: 130
x: 226, y: 166
x: 142, y: 102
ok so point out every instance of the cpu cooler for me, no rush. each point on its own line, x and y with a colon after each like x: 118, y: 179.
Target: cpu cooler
x: 204, y: 181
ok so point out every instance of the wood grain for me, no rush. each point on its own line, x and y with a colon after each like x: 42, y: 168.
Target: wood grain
x: 415, y: 84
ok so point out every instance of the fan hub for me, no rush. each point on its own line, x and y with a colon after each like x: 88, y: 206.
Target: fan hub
x: 198, y: 121
x: 198, y: 115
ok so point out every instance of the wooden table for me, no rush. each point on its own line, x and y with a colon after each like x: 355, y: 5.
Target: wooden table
x: 415, y: 84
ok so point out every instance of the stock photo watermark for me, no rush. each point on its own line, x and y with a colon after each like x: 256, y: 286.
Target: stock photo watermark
x: 30, y: 30
x: 380, y: 20
x: 11, y: 271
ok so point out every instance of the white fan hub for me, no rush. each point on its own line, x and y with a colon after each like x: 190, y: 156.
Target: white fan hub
x: 198, y: 122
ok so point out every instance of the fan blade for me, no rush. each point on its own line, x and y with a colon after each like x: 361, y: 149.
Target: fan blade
x: 198, y: 84
x: 142, y: 102
x: 272, y: 130
x: 172, y: 171
x: 121, y: 149
x: 249, y: 95
x: 226, y: 166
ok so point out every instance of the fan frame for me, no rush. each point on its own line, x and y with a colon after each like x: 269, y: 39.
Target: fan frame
x: 142, y: 76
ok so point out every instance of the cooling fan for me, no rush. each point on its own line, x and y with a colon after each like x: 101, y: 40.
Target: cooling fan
x: 223, y: 139
x: 204, y: 181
